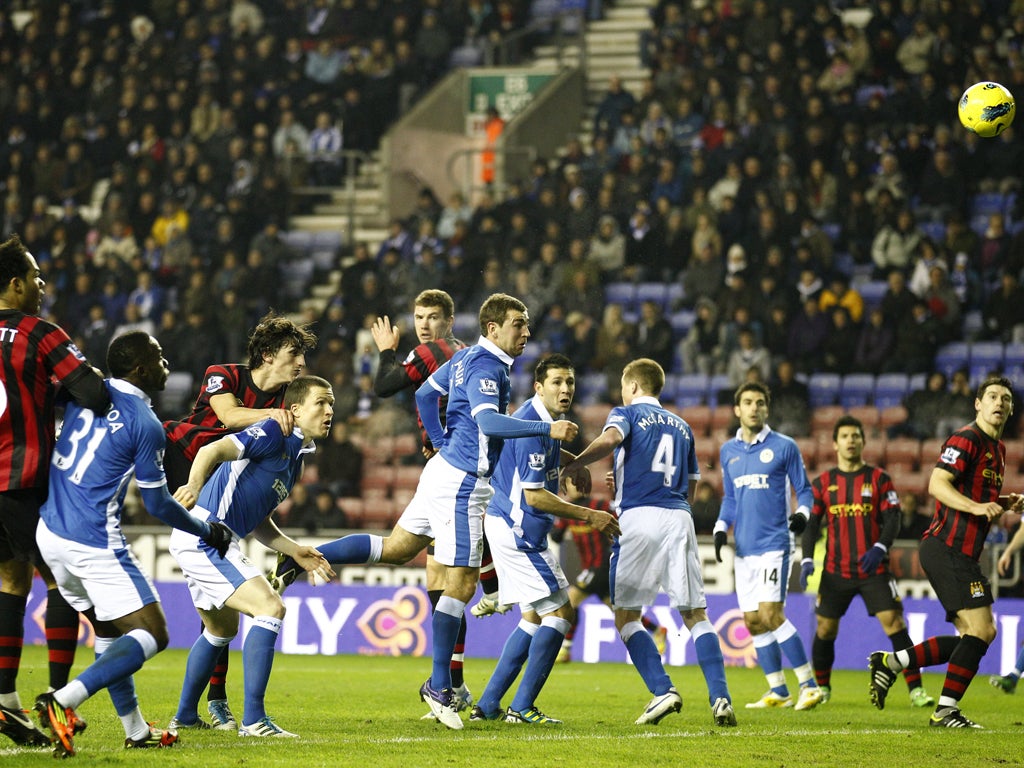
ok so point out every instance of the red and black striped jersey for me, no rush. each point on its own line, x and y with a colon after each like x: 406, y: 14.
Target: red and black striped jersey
x: 858, y: 509
x: 977, y: 463
x: 202, y: 426
x: 592, y: 546
x: 34, y: 354
x: 422, y: 361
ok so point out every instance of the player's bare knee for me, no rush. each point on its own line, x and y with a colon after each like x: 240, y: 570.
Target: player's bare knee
x: 693, y: 616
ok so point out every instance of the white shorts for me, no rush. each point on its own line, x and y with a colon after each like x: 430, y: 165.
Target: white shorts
x: 761, y: 579
x: 211, y: 579
x: 449, y: 507
x: 111, y: 581
x: 657, y: 550
x: 533, y: 579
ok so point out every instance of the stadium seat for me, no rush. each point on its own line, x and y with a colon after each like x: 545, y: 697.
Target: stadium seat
x: 931, y: 449
x: 590, y: 388
x: 809, y: 450
x: 903, y: 452
x: 176, y: 399
x: 592, y: 418
x: 378, y: 480
x: 721, y: 422
x: 979, y: 223
x: 656, y: 292
x: 1014, y: 455
x: 522, y: 386
x: 716, y: 385
x: 824, y: 388
x: 682, y: 321
x: 407, y: 444
x: 327, y: 240
x: 952, y: 356
x: 1013, y: 362
x: 407, y: 477
x: 986, y: 356
x: 621, y: 293
x: 707, y: 457
x: 872, y: 292
x: 699, y: 419
x: 352, y: 506
x: 466, y: 326
x: 868, y: 415
x: 465, y: 56
x: 676, y: 294
x: 378, y: 513
x: 857, y: 389
x: 890, y: 389
x: 298, y: 277
x: 987, y: 203
x: 934, y: 230
x: 833, y: 230
x: 298, y: 239
x: 823, y: 419
x: 690, y: 389
x: 891, y: 415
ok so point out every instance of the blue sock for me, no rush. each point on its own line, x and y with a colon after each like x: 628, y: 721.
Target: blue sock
x: 709, y: 656
x: 791, y: 643
x: 543, y: 651
x: 201, y: 661
x: 447, y: 620
x: 646, y: 658
x: 122, y: 692
x: 348, y: 550
x: 769, y: 656
x: 513, y: 656
x: 257, y: 660
x: 121, y: 660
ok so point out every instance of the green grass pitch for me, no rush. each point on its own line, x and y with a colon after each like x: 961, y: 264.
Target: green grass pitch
x: 364, y: 711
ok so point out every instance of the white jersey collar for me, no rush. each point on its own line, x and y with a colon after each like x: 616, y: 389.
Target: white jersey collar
x: 646, y: 400
x: 495, y: 350
x: 123, y: 385
x: 760, y: 437
x: 542, y: 411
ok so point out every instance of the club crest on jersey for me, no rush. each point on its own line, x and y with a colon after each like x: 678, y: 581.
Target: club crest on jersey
x: 215, y: 384
x: 489, y: 387
x: 977, y: 589
x: 866, y: 491
x: 949, y: 456
x: 766, y: 455
x: 536, y: 461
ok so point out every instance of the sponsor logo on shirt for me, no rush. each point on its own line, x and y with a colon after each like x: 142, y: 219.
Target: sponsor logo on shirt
x: 754, y: 482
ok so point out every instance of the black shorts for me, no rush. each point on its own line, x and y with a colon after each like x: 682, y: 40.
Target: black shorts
x: 19, y: 517
x: 594, y: 581
x: 835, y: 593
x: 956, y: 578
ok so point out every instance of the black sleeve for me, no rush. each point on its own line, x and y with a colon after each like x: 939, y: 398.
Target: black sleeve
x: 391, y: 376
x: 810, y: 536
x: 89, y: 391
x: 890, y: 526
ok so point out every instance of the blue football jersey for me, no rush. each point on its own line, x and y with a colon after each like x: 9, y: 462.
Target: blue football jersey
x: 243, y: 492
x: 526, y: 462
x: 656, y: 459
x: 757, y: 480
x: 475, y: 379
x: 93, y: 462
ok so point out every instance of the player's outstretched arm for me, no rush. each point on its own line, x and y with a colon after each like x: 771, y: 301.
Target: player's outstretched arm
x: 545, y: 501
x: 309, y: 558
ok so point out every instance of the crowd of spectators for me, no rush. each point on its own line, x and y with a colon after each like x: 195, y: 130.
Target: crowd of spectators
x: 777, y: 156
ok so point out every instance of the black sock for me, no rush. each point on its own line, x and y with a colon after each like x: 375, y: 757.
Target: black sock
x: 61, y: 637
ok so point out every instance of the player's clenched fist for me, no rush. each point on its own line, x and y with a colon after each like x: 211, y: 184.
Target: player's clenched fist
x: 564, y: 430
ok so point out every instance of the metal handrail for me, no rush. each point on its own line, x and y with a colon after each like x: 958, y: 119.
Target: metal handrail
x: 467, y: 186
x: 350, y: 159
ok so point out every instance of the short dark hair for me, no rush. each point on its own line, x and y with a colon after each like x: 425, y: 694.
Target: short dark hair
x: 647, y: 373
x: 847, y: 420
x: 273, y: 333
x: 433, y: 297
x: 546, y: 363
x: 127, y: 352
x: 752, y: 386
x: 496, y: 308
x: 299, y: 389
x: 993, y: 380
x: 13, y: 261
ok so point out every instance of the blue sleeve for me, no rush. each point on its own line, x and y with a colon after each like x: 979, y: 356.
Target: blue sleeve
x: 798, y: 479
x: 494, y: 424
x: 727, y: 512
x: 149, y: 444
x: 260, y: 440
x: 162, y: 505
x: 428, y: 403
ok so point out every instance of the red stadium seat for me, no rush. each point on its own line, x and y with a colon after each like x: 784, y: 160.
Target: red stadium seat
x: 903, y: 452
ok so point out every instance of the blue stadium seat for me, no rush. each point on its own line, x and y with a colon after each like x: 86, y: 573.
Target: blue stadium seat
x: 986, y: 355
x: 824, y: 388
x: 979, y: 223
x: 890, y: 389
x: 935, y: 230
x: 1013, y: 362
x: 689, y: 389
x: 951, y: 356
x: 987, y: 203
x: 917, y: 381
x: 676, y: 294
x: 299, y: 239
x: 872, y: 292
x: 298, y: 277
x: 466, y: 326
x: 716, y: 384
x: 328, y: 239
x: 682, y: 321
x: 833, y: 230
x: 522, y: 386
x: 590, y: 388
x: 856, y: 389
x: 465, y: 56
x: 620, y: 293
x: 656, y: 292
